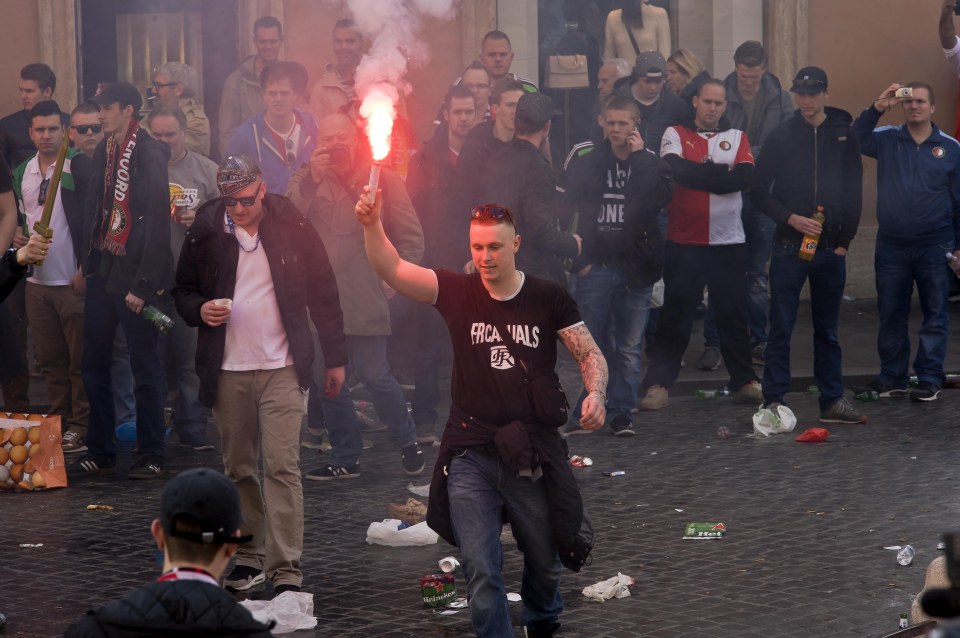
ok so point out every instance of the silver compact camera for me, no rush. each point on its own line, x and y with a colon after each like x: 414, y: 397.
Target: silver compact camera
x: 904, y: 92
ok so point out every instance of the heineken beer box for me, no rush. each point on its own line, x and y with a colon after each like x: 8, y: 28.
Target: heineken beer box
x: 704, y: 531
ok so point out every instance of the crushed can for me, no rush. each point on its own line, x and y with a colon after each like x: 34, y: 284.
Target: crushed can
x: 438, y: 590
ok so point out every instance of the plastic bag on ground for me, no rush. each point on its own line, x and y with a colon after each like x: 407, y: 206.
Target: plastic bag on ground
x: 813, y: 435
x: 767, y: 422
x: 616, y: 587
x: 292, y: 611
x: 388, y: 532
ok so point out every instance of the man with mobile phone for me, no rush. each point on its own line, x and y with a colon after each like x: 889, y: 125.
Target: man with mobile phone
x: 618, y: 187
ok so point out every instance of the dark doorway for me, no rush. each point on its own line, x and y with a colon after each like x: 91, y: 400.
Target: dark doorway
x: 126, y: 39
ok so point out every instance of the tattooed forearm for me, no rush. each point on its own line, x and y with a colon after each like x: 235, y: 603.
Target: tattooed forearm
x: 585, y: 350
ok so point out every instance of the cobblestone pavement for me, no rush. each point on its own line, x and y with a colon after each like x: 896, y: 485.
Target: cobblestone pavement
x: 802, y: 556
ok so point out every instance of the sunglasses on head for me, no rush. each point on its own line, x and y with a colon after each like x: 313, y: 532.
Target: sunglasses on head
x: 230, y: 202
x: 491, y: 212
x: 83, y: 129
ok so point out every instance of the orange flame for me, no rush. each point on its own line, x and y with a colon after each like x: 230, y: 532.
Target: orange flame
x: 379, y: 111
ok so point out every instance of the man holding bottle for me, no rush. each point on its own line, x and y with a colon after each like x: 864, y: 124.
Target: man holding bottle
x: 125, y: 255
x: 810, y: 164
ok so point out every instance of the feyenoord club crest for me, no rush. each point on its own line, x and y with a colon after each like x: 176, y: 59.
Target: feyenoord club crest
x: 938, y: 152
x: 500, y: 358
x: 724, y: 145
x: 117, y: 220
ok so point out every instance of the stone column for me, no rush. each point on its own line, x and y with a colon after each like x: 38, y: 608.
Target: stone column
x: 787, y: 39
x: 58, y: 47
x: 476, y: 19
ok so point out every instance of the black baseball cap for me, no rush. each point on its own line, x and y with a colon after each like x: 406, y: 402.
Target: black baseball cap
x: 809, y: 80
x: 123, y: 93
x: 534, y: 110
x: 650, y: 64
x: 206, y: 499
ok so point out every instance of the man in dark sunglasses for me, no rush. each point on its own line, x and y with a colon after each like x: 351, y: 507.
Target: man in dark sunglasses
x: 504, y: 326
x: 85, y: 128
x: 252, y: 268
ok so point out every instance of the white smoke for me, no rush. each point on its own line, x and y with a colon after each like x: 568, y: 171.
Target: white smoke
x: 393, y: 29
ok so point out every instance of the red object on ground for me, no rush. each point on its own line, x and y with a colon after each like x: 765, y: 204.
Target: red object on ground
x: 813, y: 435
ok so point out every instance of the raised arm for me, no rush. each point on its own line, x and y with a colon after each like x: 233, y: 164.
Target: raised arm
x: 948, y: 32
x: 410, y: 280
x: 593, y: 367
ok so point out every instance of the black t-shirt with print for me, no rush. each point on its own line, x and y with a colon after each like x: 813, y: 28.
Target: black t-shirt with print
x: 487, y: 382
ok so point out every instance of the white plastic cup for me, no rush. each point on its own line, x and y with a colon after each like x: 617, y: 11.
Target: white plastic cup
x: 449, y: 564
x: 226, y: 303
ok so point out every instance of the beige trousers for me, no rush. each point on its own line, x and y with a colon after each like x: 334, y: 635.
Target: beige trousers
x: 260, y: 411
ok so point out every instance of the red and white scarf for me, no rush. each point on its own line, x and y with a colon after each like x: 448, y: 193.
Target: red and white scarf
x: 115, y: 228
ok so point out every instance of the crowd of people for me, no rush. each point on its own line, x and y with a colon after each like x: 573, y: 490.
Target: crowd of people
x: 220, y: 281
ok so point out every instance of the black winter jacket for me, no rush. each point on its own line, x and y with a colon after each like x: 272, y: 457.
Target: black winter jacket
x: 302, y: 279
x: 776, y: 108
x: 802, y: 167
x: 638, y: 249
x: 10, y: 275
x: 668, y: 111
x: 173, y: 608
x: 471, y: 171
x: 147, y: 268
x: 430, y: 184
x: 520, y: 178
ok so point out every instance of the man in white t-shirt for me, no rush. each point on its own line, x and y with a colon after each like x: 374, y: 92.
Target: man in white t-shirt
x: 54, y: 292
x: 251, y: 269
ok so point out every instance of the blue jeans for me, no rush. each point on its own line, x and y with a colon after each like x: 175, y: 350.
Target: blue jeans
x: 189, y: 415
x: 758, y: 229
x: 481, y: 488
x: 898, y: 267
x: 788, y: 274
x: 123, y: 402
x: 103, y: 312
x: 433, y: 339
x: 616, y: 316
x: 367, y: 358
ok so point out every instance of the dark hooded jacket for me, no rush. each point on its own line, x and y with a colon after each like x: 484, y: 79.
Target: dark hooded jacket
x: 302, y: 279
x: 638, y: 248
x: 801, y: 167
x: 146, y: 269
x: 173, y: 608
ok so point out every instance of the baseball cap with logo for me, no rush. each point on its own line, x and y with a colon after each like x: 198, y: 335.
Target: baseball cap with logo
x: 236, y: 173
x: 809, y: 80
x: 123, y: 93
x: 650, y: 64
x: 204, y: 500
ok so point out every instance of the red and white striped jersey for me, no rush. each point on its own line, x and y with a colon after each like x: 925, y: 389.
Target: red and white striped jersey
x: 699, y: 217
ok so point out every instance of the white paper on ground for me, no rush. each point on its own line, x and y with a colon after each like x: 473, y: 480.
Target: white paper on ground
x: 419, y: 490
x: 292, y: 611
x: 615, y: 587
x: 387, y: 533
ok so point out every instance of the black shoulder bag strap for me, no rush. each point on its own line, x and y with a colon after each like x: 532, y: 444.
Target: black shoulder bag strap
x: 633, y: 40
